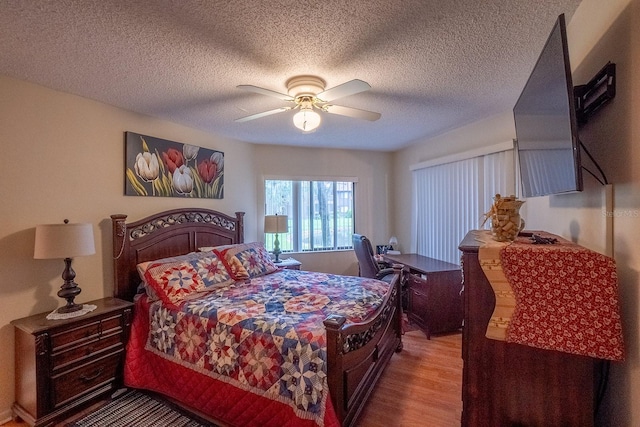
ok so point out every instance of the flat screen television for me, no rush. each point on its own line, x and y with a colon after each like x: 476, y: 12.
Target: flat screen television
x: 546, y: 127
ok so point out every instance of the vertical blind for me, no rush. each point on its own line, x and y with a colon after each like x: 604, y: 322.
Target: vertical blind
x: 451, y: 199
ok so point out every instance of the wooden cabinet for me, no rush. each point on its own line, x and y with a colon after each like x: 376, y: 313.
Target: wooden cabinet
x: 506, y: 384
x: 434, y: 292
x: 435, y: 301
x: 290, y: 264
x: 62, y: 365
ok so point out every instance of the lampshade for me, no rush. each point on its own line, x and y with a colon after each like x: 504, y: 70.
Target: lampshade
x: 306, y: 119
x: 276, y: 224
x: 393, y: 241
x: 63, y: 241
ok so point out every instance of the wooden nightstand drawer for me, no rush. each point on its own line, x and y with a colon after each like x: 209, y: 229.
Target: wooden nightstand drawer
x: 73, y: 354
x: 64, y: 365
x: 71, y: 384
x: 72, y: 336
x: 85, y: 331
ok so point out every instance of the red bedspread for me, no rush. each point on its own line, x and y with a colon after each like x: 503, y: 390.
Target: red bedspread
x: 566, y: 299
x: 249, y: 354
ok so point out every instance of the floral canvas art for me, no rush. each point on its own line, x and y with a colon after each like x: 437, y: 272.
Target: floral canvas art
x: 161, y: 168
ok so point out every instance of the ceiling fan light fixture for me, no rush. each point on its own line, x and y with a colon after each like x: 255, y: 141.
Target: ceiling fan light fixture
x: 306, y: 119
x: 305, y: 85
x: 308, y: 94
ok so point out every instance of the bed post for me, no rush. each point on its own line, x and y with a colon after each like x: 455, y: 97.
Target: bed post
x: 240, y: 227
x: 399, y: 270
x: 335, y: 374
x: 119, y: 231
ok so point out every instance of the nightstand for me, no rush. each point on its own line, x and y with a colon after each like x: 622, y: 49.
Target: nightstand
x: 63, y: 365
x: 289, y: 264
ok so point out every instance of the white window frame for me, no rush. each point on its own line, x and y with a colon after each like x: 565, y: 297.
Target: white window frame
x: 293, y: 239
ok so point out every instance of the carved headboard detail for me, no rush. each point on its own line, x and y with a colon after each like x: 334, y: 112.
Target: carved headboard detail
x: 165, y: 234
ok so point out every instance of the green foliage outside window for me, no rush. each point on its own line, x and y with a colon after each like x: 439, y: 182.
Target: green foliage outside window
x: 320, y: 214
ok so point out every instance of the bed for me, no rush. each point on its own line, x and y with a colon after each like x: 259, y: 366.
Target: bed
x: 325, y: 386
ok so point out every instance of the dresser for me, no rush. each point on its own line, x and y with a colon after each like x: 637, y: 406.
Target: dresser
x: 433, y: 292
x: 507, y: 384
x: 63, y: 365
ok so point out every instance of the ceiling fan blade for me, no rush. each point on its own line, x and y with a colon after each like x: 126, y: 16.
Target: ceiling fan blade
x: 345, y: 89
x: 352, y: 112
x: 263, y: 114
x: 263, y: 91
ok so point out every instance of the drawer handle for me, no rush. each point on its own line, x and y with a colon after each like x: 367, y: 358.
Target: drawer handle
x: 92, y: 377
x: 418, y: 293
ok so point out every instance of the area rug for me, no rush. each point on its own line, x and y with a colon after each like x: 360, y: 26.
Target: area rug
x: 137, y: 409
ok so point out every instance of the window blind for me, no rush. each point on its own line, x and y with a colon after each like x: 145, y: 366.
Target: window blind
x: 451, y: 198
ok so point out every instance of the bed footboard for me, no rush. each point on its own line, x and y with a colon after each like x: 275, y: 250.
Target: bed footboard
x: 357, y: 353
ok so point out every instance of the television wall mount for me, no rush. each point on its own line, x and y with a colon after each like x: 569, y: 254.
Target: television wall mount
x: 593, y: 95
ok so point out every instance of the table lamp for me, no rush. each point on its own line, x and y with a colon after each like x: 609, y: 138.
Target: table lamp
x: 276, y: 224
x: 65, y: 241
x: 393, y: 241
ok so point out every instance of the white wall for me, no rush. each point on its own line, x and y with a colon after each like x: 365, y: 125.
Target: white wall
x: 373, y: 209
x: 63, y: 157
x: 598, y: 32
x: 608, y: 31
x: 494, y: 130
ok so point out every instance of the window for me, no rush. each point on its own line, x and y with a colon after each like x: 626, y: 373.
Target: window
x: 451, y: 198
x: 320, y: 214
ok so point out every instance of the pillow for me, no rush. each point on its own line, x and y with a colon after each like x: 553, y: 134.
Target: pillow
x: 213, y: 248
x: 142, y: 267
x: 246, y: 260
x: 174, y: 279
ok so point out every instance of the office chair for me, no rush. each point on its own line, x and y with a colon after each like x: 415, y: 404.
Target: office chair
x: 369, y: 267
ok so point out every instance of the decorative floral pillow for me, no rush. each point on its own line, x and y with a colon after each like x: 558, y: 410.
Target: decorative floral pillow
x: 174, y: 279
x: 206, y: 248
x: 213, y: 248
x: 246, y: 260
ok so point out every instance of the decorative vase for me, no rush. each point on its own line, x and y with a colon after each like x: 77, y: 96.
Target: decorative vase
x: 506, y: 222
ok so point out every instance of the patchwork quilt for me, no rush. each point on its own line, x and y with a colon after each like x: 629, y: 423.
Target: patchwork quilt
x: 249, y: 353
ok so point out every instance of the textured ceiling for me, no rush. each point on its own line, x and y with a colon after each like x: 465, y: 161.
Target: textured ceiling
x: 433, y: 65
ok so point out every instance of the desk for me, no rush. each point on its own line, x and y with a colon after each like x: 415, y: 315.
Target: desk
x: 434, y: 290
x: 421, y: 264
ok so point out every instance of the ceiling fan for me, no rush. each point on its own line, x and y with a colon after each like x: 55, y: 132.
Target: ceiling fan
x: 307, y: 93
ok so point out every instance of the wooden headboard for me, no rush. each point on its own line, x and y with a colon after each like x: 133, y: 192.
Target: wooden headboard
x: 165, y: 234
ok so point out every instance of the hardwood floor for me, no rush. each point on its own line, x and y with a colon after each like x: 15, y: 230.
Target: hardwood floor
x: 420, y: 387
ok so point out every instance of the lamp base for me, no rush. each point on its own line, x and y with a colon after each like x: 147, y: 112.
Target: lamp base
x: 69, y: 289
x: 70, y: 308
x: 276, y: 249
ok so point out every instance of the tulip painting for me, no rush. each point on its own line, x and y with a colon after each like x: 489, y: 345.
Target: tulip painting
x: 158, y: 167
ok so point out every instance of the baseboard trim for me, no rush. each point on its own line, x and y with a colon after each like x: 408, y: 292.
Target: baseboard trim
x: 6, y: 416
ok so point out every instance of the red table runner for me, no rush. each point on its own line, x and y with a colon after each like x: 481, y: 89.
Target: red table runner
x: 566, y: 299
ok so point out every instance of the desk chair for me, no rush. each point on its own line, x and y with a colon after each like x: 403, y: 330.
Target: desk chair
x: 366, y: 261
